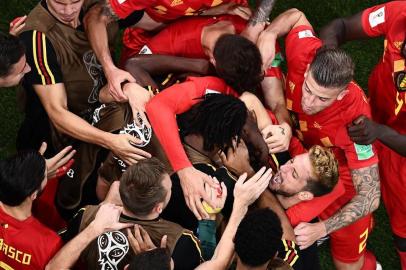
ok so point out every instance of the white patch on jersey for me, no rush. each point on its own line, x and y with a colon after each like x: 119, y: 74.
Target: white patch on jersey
x: 113, y: 246
x: 305, y: 34
x: 377, y: 17
x: 145, y: 50
x: 121, y: 1
x: 211, y: 91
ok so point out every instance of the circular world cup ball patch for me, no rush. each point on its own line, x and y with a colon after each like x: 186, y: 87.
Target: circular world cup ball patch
x: 400, y: 81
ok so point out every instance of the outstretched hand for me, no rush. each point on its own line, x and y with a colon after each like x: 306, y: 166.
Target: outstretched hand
x: 247, y: 191
x: 140, y: 241
x: 59, y: 164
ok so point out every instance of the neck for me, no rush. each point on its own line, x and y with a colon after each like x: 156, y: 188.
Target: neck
x: 196, y: 141
x: 20, y: 212
x: 151, y: 216
x: 212, y: 33
x: 287, y: 202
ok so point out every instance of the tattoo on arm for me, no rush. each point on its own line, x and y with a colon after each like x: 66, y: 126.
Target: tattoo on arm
x: 367, y: 186
x: 282, y: 130
x: 108, y: 11
x: 261, y: 15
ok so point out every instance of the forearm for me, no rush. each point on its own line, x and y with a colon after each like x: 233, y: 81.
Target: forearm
x: 281, y: 114
x: 274, y: 97
x: 341, y: 30
x: 225, y: 248
x: 163, y: 122
x: 96, y: 29
x: 333, y: 34
x: 164, y: 64
x: 285, y: 22
x: 268, y: 200
x: 367, y: 186
x: 74, y: 126
x: 69, y: 254
x: 262, y: 13
x: 254, y: 104
x: 142, y: 67
x: 392, y: 139
x: 217, y: 10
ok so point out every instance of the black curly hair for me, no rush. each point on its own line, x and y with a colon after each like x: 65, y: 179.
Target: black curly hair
x: 218, y: 118
x: 238, y: 63
x: 258, y: 237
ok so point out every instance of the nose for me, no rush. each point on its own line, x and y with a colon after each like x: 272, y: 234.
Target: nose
x: 285, y: 168
x: 69, y: 10
x: 310, y: 100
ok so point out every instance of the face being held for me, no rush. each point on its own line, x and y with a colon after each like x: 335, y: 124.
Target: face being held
x: 67, y: 11
x: 315, y: 172
x: 326, y: 80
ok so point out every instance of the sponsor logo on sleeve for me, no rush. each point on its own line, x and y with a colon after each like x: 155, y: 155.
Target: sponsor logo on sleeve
x: 363, y: 151
x: 211, y: 91
x: 377, y: 17
x: 145, y: 50
x: 305, y: 34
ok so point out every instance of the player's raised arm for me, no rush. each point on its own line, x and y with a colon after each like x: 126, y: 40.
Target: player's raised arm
x: 341, y: 30
x: 96, y: 21
x: 257, y: 22
x: 279, y: 27
x: 365, y: 131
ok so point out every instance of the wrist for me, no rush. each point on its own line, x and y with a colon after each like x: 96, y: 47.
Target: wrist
x: 107, y: 140
x: 270, y: 34
x: 93, y: 230
x: 324, y: 228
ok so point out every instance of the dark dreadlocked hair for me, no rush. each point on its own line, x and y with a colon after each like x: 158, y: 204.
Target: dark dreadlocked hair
x: 218, y: 118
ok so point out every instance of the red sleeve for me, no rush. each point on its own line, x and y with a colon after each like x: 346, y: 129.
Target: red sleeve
x: 123, y: 8
x: 377, y: 20
x: 163, y: 108
x: 358, y: 156
x: 53, y: 245
x: 301, y: 45
x: 275, y: 69
x: 308, y: 210
x: 296, y: 147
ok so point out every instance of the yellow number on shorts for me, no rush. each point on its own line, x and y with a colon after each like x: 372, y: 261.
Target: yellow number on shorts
x: 363, y: 244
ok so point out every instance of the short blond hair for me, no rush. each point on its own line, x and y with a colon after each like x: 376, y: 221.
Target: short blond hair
x: 325, y: 168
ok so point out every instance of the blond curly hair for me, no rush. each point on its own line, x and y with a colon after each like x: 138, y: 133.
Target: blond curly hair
x: 325, y: 168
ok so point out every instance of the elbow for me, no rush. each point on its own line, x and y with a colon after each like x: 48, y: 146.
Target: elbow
x: 95, y: 14
x: 294, y: 12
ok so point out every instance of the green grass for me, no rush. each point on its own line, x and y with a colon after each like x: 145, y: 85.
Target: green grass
x: 318, y: 12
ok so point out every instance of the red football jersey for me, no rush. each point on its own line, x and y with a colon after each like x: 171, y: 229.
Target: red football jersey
x: 26, y: 244
x: 329, y: 127
x: 163, y: 108
x: 166, y: 10
x: 184, y: 38
x: 389, y: 104
x: 161, y: 11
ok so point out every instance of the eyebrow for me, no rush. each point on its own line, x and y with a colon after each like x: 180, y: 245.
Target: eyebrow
x: 308, y: 88
x: 294, y: 169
